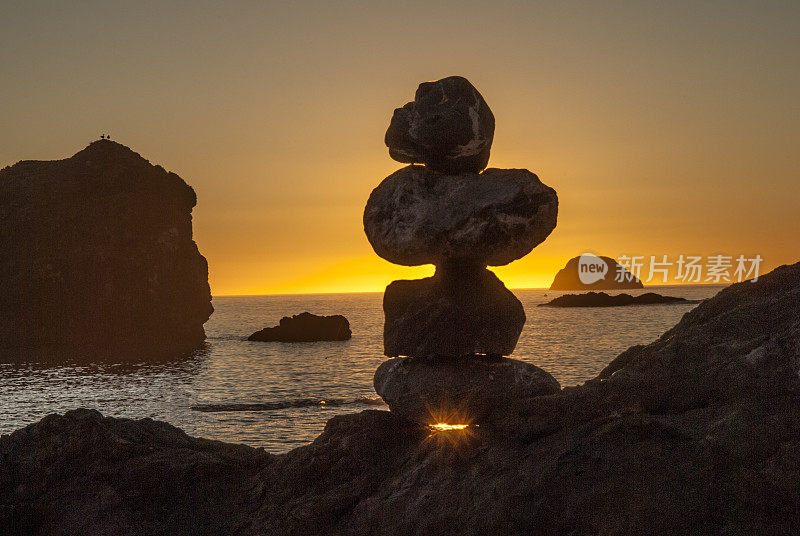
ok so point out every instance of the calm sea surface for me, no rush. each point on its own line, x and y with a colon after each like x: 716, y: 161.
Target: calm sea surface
x: 279, y: 395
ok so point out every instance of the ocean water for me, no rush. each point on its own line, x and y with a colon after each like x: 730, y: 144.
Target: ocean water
x: 279, y: 395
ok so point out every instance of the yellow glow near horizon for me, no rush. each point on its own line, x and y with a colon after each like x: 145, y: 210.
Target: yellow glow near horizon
x: 663, y: 130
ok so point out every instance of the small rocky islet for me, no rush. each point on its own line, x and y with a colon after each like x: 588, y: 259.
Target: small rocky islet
x: 450, y: 334
x: 601, y: 299
x: 305, y: 327
x: 617, y: 277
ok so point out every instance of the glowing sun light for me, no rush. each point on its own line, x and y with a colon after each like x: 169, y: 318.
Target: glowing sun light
x: 442, y: 427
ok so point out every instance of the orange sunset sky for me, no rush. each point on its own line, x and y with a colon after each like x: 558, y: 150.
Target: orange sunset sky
x: 666, y: 127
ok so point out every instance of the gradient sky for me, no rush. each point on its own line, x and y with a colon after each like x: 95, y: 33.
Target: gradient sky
x: 666, y: 127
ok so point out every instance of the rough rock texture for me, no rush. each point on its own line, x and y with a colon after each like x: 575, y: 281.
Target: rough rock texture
x: 84, y: 474
x: 457, y: 312
x: 418, y: 216
x: 306, y: 327
x: 97, y: 259
x: 470, y: 390
x: 448, y: 127
x: 601, y: 299
x: 567, y: 278
x: 697, y: 433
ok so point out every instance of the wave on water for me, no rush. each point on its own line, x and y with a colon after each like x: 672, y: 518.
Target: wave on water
x: 285, y: 404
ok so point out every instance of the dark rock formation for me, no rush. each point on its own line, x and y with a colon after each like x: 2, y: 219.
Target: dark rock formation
x: 418, y: 216
x: 82, y: 474
x: 462, y: 390
x: 448, y: 127
x: 457, y: 312
x: 306, y: 327
x: 97, y: 259
x: 601, y: 299
x: 696, y: 433
x: 568, y: 278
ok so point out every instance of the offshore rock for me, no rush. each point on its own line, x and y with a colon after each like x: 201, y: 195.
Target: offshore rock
x: 306, y: 327
x: 97, y: 259
x: 418, y: 216
x: 448, y: 127
x: 601, y: 299
x: 615, y: 277
x: 458, y: 391
x: 457, y: 312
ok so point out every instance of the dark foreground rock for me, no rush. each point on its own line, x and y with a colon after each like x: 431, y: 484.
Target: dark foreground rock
x: 306, y: 327
x: 568, y: 278
x: 601, y: 299
x: 473, y: 390
x: 97, y: 259
x: 457, y: 312
x: 696, y: 433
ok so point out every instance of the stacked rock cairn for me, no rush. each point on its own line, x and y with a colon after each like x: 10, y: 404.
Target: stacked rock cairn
x: 448, y: 334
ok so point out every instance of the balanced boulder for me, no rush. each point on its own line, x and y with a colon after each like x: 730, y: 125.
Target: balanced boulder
x: 460, y: 311
x: 454, y: 328
x: 469, y: 390
x: 419, y: 216
x: 448, y: 127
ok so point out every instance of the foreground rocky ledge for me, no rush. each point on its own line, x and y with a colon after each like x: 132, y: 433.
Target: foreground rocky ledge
x: 696, y: 433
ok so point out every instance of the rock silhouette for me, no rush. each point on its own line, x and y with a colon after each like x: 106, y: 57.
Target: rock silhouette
x: 448, y: 127
x: 460, y: 390
x: 601, y: 299
x: 306, y: 327
x: 696, y: 433
x: 568, y: 279
x: 418, y: 216
x: 448, y: 214
x: 457, y: 312
x: 97, y: 259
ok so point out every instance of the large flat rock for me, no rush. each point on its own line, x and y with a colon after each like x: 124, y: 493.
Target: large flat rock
x: 418, y: 216
x: 465, y: 390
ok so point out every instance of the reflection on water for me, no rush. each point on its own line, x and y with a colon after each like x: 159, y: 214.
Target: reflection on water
x: 279, y: 395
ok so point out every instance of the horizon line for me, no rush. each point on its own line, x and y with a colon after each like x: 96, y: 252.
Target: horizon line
x: 510, y: 288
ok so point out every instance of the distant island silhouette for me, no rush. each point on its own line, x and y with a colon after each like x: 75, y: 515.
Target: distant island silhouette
x: 568, y: 277
x: 601, y: 299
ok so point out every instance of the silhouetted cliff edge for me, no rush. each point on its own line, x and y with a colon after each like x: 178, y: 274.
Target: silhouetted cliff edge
x: 97, y: 259
x: 696, y: 433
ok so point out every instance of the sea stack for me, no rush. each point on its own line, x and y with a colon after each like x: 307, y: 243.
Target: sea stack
x: 450, y: 334
x: 97, y: 260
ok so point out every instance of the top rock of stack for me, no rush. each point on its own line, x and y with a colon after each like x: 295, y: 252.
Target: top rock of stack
x: 448, y: 127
